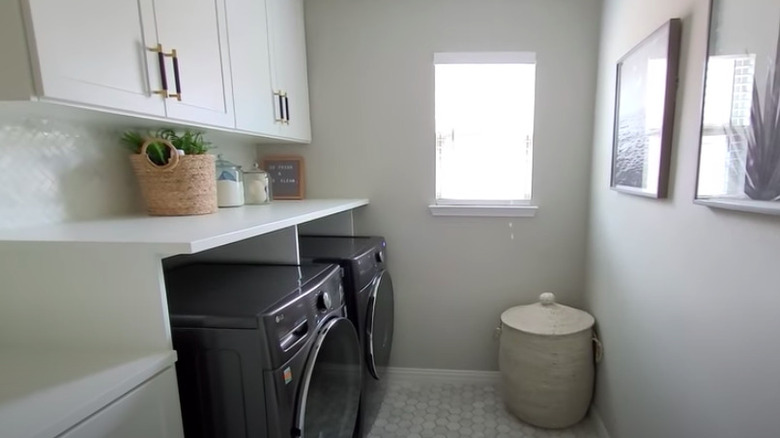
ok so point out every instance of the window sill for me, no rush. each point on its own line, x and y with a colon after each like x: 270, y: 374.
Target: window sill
x: 484, y: 210
x: 746, y: 205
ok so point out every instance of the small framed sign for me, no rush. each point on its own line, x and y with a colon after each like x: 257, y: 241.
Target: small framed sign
x: 287, y: 176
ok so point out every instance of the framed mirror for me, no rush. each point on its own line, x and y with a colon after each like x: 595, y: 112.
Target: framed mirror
x: 739, y: 151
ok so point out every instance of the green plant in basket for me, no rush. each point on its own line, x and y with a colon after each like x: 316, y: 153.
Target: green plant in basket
x: 191, y: 142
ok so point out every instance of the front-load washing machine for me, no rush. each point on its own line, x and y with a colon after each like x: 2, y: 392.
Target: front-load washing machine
x: 264, y: 351
x: 370, y: 306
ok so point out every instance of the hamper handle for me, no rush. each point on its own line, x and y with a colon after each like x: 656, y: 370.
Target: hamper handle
x: 173, y: 161
x: 598, y: 353
x: 497, y: 332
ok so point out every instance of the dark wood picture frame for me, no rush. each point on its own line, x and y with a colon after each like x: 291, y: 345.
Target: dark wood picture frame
x: 635, y: 166
x: 287, y: 175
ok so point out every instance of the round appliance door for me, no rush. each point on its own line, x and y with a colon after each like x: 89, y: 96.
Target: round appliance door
x: 330, y: 391
x: 379, y: 324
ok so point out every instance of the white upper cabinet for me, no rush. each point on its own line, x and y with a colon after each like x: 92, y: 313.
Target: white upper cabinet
x: 268, y: 58
x: 251, y: 68
x: 235, y: 64
x: 194, y: 37
x: 287, y: 46
x: 129, y: 56
x: 94, y: 52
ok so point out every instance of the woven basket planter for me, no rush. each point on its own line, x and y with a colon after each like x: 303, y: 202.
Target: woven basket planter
x: 186, y: 185
x: 547, y: 363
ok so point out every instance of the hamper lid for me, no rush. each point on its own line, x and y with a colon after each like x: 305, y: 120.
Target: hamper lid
x: 547, y: 318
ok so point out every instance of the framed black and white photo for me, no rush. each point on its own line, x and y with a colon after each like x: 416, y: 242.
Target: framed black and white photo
x: 645, y: 98
x: 739, y: 149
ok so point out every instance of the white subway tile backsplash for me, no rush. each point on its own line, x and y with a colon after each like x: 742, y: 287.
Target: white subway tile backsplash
x: 56, y: 171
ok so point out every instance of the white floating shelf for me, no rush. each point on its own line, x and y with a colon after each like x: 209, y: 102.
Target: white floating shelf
x: 187, y: 234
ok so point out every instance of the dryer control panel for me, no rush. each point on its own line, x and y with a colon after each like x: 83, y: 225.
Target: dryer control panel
x: 367, y: 266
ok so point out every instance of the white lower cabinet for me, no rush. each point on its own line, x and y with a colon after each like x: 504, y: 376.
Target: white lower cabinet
x: 149, y: 410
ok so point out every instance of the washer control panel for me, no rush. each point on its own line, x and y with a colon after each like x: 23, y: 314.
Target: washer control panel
x: 324, y: 302
x: 327, y: 298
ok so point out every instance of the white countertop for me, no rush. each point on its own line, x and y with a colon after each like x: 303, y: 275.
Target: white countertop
x: 43, y: 393
x: 187, y: 234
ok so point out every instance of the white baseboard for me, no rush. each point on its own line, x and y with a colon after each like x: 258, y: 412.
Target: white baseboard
x: 421, y: 375
x: 598, y: 423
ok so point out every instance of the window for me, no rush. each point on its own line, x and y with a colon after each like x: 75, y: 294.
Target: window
x: 484, y: 109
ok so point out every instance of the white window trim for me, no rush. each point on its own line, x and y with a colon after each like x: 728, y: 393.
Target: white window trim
x: 482, y: 202
x: 483, y: 210
x: 484, y: 58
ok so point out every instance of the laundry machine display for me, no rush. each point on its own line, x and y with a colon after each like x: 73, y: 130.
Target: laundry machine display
x: 370, y: 306
x: 264, y: 351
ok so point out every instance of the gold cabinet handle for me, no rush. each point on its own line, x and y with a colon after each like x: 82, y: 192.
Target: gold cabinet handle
x: 279, y: 96
x: 286, y: 109
x: 176, y: 76
x: 161, y: 64
x: 161, y: 55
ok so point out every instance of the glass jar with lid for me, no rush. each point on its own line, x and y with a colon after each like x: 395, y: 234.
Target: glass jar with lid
x: 230, y: 183
x: 257, y: 186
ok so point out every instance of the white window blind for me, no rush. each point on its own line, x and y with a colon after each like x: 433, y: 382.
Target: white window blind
x: 484, y: 109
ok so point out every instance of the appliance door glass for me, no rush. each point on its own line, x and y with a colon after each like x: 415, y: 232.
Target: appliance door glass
x: 330, y: 392
x: 379, y: 325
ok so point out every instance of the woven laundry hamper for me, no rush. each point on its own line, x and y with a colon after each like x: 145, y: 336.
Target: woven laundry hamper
x: 546, y: 359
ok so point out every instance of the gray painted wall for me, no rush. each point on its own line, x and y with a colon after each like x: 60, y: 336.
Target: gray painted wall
x: 371, y: 82
x: 686, y: 297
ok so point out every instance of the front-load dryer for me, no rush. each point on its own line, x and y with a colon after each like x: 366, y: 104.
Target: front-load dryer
x: 264, y: 351
x: 370, y: 306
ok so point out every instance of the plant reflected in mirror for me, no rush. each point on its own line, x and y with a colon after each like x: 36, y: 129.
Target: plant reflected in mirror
x: 739, y: 156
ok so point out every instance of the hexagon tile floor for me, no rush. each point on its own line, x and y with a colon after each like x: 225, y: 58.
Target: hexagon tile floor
x: 457, y: 410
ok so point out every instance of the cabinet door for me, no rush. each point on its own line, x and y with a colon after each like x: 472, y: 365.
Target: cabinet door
x: 196, y: 30
x: 150, y: 410
x: 94, y: 52
x: 288, y: 64
x: 257, y: 110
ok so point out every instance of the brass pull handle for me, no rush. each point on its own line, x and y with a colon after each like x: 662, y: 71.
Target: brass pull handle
x: 161, y: 64
x: 286, y: 109
x: 279, y: 96
x: 176, y: 76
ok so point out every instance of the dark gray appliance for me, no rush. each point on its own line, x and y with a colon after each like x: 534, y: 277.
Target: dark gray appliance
x: 264, y: 351
x: 370, y: 306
